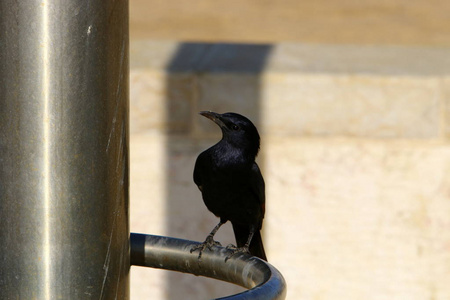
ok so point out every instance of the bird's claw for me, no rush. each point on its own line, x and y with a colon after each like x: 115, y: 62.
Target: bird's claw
x: 231, y: 247
x: 234, y: 250
x: 207, y: 244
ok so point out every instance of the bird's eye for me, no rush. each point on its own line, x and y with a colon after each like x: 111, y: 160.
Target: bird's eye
x: 235, y: 127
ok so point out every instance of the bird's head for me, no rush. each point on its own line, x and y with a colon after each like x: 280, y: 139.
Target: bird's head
x: 237, y: 131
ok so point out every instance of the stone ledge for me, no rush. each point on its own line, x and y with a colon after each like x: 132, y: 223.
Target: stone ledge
x: 292, y: 89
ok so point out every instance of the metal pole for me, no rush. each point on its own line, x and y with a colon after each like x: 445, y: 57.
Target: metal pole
x: 64, y: 150
x: 263, y: 280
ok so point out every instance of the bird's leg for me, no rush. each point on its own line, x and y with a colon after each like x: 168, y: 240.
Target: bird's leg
x: 209, y: 242
x: 243, y: 249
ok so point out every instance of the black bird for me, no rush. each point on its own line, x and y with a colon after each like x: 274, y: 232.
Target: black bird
x: 231, y: 183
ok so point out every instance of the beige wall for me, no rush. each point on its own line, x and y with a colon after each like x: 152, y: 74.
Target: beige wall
x: 409, y: 22
x: 355, y: 125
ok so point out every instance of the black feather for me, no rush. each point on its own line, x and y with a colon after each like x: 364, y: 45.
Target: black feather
x: 230, y: 180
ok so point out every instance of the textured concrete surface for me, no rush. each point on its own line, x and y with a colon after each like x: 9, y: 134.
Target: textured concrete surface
x: 401, y: 22
x: 355, y: 155
x: 359, y: 219
x: 319, y: 90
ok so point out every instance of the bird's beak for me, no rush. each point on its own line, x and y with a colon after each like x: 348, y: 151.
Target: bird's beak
x: 215, y: 117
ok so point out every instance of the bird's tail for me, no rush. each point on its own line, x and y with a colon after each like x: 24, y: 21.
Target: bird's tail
x: 256, y: 248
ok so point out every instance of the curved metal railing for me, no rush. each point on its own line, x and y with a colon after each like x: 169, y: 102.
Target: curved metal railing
x: 262, y: 279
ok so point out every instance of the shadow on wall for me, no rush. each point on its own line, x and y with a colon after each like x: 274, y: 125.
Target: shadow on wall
x: 216, y: 77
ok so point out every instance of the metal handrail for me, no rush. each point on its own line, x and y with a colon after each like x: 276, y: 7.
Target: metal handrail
x: 262, y: 279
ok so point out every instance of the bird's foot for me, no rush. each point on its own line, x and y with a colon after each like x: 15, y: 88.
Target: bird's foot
x: 235, y: 250
x: 207, y: 244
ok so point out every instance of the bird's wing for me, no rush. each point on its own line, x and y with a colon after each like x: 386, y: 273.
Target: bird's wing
x: 258, y: 187
x: 198, y: 170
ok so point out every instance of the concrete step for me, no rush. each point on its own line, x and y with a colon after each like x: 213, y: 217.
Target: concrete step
x: 302, y: 90
x: 399, y: 22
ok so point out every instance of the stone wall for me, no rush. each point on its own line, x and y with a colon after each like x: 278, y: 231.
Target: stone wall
x: 354, y: 154
x: 355, y: 148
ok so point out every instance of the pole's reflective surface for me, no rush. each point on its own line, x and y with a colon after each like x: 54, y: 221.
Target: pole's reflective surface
x: 64, y: 150
x: 263, y: 280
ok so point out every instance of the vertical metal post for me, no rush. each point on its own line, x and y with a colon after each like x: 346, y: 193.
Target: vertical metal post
x: 64, y: 149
